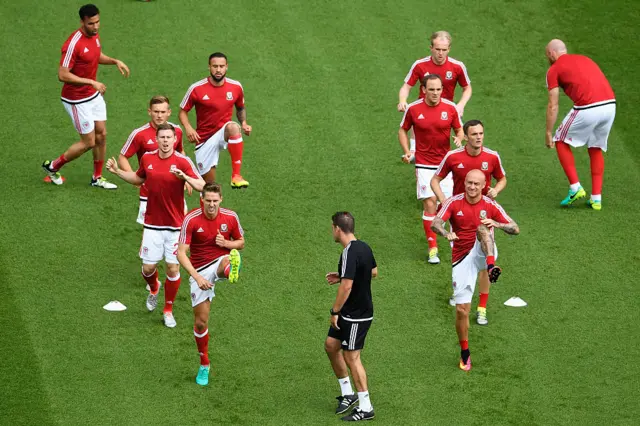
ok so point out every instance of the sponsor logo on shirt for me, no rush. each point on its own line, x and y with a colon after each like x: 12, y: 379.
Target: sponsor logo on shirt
x: 485, y: 165
x: 205, y: 97
x: 149, y: 142
x: 229, y: 96
x: 461, y: 166
x: 420, y: 117
x: 86, y: 50
x: 449, y: 75
x: 444, y: 115
x: 200, y: 230
x: 460, y: 213
x: 150, y: 167
x: 223, y: 227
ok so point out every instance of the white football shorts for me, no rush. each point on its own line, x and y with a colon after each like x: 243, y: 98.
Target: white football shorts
x: 157, y: 244
x: 208, y: 153
x: 423, y: 183
x: 588, y: 126
x: 210, y: 273
x: 85, y: 114
x: 464, y: 274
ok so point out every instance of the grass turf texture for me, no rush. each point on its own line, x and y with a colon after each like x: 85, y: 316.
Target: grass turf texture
x: 321, y: 83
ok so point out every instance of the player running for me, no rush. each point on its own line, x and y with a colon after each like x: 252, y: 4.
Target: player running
x: 213, y: 236
x: 164, y: 173
x: 432, y: 120
x: 473, y: 217
x: 589, y: 121
x: 474, y: 155
x: 214, y: 98
x: 143, y: 139
x: 452, y: 71
x: 82, y: 97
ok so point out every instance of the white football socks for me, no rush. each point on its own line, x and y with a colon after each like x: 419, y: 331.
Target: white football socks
x: 596, y: 197
x: 345, y: 386
x: 365, y: 402
x: 575, y: 186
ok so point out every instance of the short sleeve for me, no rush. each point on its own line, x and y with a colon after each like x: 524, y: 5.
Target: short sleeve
x: 179, y: 145
x: 68, y: 58
x: 189, y: 168
x: 373, y: 261
x: 444, y: 168
x: 498, y: 171
x: 130, y: 147
x: 498, y: 214
x: 445, y: 211
x: 186, y: 230
x: 412, y: 77
x: 407, y: 120
x: 187, y: 101
x: 240, y: 98
x: 456, y: 123
x: 552, y: 78
x: 236, y: 231
x: 463, y: 77
x: 349, y: 264
x: 141, y: 172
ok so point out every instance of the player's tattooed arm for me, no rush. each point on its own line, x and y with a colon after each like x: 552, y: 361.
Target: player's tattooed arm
x: 241, y: 114
x: 438, y: 227
x: 510, y: 228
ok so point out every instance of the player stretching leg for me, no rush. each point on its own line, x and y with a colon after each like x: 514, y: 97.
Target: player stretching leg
x: 213, y: 236
x: 589, y: 121
x: 473, y: 218
x: 82, y: 97
x: 214, y: 98
x: 164, y: 173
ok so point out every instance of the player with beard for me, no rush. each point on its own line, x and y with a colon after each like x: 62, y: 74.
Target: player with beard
x: 214, y: 98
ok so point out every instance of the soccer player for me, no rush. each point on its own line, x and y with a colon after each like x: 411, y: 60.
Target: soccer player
x: 214, y: 98
x: 432, y: 120
x: 82, y: 97
x: 143, y: 139
x: 589, y: 121
x: 473, y: 156
x: 351, y: 317
x: 213, y: 236
x: 164, y: 173
x: 473, y: 217
x: 453, y: 71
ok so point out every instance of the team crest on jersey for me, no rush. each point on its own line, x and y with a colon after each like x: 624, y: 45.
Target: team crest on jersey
x: 485, y: 165
x: 444, y: 115
x: 483, y: 214
x: 449, y: 75
x: 229, y: 96
x: 223, y: 227
x: 172, y: 168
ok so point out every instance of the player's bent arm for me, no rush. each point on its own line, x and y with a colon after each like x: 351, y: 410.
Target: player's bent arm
x: 66, y: 76
x: 343, y: 294
x: 196, y: 184
x: 437, y: 226
x: 183, y: 116
x: 403, y: 138
x: 403, y: 94
x: 510, y: 228
x: 123, y: 163
x: 466, y: 96
x: 374, y: 272
x: 241, y: 115
x: 184, y: 260
x: 552, y: 109
x: 500, y: 185
x: 129, y: 177
x: 234, y: 244
x: 435, y: 187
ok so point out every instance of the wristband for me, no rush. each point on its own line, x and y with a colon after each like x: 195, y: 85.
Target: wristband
x: 334, y: 313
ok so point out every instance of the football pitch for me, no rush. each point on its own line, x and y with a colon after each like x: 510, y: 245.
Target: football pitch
x: 321, y: 80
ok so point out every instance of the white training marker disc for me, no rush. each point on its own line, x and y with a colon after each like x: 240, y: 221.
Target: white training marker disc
x: 515, y: 302
x: 114, y: 306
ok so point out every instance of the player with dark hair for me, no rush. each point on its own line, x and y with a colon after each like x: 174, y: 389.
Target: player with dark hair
x: 214, y: 98
x: 82, y: 97
x: 432, y: 120
x: 213, y: 236
x: 473, y: 218
x: 164, y: 173
x: 143, y: 139
x: 351, y: 316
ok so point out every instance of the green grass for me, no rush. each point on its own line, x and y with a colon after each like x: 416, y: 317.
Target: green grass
x: 321, y: 81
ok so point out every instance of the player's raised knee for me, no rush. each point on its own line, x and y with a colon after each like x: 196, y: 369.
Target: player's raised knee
x: 482, y: 231
x: 233, y: 129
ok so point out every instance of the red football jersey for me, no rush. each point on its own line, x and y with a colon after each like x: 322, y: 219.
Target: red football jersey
x: 200, y: 233
x: 459, y: 162
x: 81, y: 54
x: 432, y: 128
x: 581, y: 79
x: 465, y: 219
x: 214, y: 104
x: 143, y: 139
x: 165, y: 202
x: 452, y: 72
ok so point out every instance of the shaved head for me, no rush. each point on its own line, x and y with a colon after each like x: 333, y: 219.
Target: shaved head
x: 474, y: 182
x: 555, y: 49
x: 476, y: 174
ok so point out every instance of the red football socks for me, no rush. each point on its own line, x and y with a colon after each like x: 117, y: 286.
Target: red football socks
x: 227, y: 269
x: 597, y: 170
x: 97, y: 169
x: 235, y: 147
x: 202, y: 341
x: 152, y: 280
x: 428, y: 232
x: 58, y: 163
x: 565, y: 155
x: 464, y: 345
x: 491, y: 261
x: 482, y: 303
x: 171, y: 286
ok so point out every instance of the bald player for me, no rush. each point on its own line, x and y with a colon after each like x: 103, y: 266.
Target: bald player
x: 589, y: 121
x: 473, y: 217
